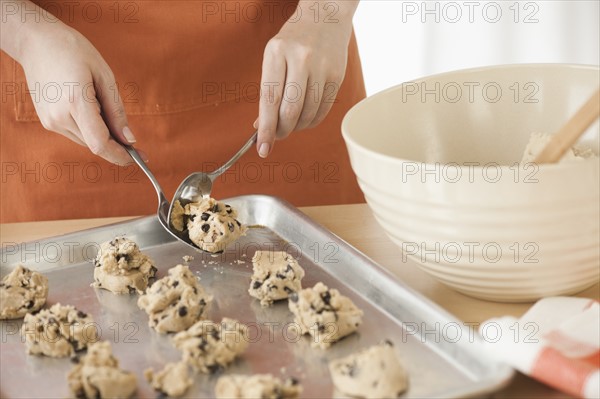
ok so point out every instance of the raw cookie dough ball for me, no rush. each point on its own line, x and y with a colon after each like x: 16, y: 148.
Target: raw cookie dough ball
x: 208, y: 346
x: 172, y: 381
x: 59, y: 331
x: 174, y: 302
x: 22, y: 291
x: 276, y: 275
x: 375, y: 372
x: 538, y: 141
x: 256, y: 386
x: 98, y: 375
x: 324, y: 313
x: 122, y: 268
x: 211, y: 225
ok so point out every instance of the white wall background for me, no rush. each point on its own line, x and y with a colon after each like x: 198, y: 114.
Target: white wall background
x: 404, y: 40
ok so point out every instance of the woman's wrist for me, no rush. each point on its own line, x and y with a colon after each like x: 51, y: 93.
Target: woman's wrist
x: 329, y: 11
x: 326, y: 17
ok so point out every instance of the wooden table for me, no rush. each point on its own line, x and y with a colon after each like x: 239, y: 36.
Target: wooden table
x: 355, y: 224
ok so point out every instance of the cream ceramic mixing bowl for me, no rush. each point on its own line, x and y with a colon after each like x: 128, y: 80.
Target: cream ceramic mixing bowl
x: 438, y: 162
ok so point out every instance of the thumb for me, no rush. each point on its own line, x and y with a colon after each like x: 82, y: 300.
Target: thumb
x: 113, y: 111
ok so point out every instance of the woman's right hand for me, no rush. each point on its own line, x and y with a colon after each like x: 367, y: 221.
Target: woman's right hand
x: 88, y: 110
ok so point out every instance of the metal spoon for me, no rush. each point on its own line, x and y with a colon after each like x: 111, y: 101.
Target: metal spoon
x: 198, y: 185
x: 163, y: 204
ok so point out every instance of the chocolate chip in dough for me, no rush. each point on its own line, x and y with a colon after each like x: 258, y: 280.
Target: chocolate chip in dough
x: 289, y: 290
x: 326, y: 297
x: 213, y: 368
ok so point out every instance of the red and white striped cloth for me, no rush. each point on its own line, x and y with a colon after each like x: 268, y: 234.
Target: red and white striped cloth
x: 556, y: 342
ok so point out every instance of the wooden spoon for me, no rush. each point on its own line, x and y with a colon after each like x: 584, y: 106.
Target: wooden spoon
x: 568, y: 135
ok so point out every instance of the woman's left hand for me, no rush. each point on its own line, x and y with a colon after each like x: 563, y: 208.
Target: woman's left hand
x: 303, y: 68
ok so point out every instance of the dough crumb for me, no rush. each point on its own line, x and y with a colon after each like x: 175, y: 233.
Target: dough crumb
x: 120, y: 267
x: 324, y: 313
x: 276, y: 275
x: 59, y: 331
x: 237, y: 386
x: 208, y: 346
x: 22, y: 291
x: 188, y: 258
x: 375, y: 372
x: 97, y: 375
x: 538, y: 141
x: 173, y: 380
x: 175, y: 302
x: 210, y: 224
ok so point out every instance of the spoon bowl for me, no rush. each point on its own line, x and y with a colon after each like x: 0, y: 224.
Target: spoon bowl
x: 198, y: 185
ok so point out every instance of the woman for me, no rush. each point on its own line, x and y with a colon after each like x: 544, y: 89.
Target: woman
x: 185, y: 81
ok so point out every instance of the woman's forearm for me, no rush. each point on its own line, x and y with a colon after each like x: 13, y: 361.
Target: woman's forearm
x: 20, y: 19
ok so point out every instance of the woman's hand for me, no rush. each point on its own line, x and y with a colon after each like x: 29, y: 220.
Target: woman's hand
x: 303, y: 68
x: 84, y: 104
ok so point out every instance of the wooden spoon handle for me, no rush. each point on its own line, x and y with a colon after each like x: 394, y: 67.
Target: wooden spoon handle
x: 568, y: 135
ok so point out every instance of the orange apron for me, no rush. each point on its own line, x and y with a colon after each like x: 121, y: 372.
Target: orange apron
x: 189, y: 75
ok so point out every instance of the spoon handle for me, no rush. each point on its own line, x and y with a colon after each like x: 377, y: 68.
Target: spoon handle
x: 140, y: 162
x: 237, y: 156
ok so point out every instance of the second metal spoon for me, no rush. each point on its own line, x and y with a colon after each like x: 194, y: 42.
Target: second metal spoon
x: 198, y: 185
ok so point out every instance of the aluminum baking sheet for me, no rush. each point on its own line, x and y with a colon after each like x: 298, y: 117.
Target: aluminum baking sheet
x: 442, y: 356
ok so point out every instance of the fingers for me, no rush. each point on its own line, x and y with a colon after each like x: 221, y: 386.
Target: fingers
x: 113, y: 111
x: 312, y: 102
x: 272, y: 81
x: 70, y: 131
x: 304, y: 104
x: 95, y: 133
x: 72, y: 136
x: 330, y: 92
x: 298, y: 89
x: 292, y: 103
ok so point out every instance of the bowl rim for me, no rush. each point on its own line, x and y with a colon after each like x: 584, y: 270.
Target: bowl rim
x: 556, y: 166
